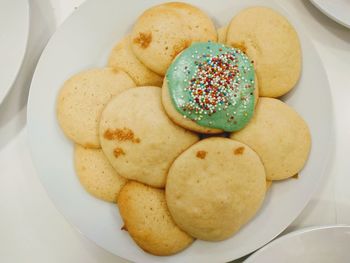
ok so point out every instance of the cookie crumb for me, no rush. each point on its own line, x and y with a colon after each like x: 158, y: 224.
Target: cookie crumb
x: 124, y: 134
x: 179, y: 47
x: 143, y: 40
x: 201, y: 154
x: 115, y: 70
x: 118, y: 151
x: 240, y: 46
x: 124, y: 228
x: 89, y: 145
x: 239, y: 150
x: 296, y: 176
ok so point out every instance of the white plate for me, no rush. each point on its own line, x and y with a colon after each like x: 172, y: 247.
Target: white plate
x: 338, y: 10
x: 84, y: 41
x: 14, y: 29
x: 310, y: 245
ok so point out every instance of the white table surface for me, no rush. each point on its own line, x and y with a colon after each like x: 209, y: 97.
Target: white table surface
x: 31, y: 228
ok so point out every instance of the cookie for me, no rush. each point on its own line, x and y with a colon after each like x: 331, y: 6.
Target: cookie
x: 122, y: 57
x: 158, y: 36
x: 82, y: 99
x: 215, y: 187
x: 139, y: 139
x: 163, y: 31
x: 147, y: 219
x: 211, y: 86
x: 279, y: 136
x: 96, y: 174
x: 222, y: 31
x: 272, y: 43
x: 200, y: 26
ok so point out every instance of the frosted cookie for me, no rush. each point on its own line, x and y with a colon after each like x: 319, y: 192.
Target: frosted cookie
x: 222, y: 31
x: 163, y: 31
x: 215, y: 187
x: 96, y: 174
x: 279, y: 136
x: 82, y: 99
x: 122, y: 57
x: 139, y: 139
x: 272, y: 43
x: 147, y: 219
x: 209, y: 88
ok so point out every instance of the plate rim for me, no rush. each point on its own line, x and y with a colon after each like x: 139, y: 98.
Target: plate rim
x: 292, y: 234
x: 329, y: 14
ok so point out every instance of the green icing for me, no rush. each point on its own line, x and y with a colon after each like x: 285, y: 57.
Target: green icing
x: 213, y: 85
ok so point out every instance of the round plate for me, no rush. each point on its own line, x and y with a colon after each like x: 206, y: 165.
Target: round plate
x: 14, y: 29
x: 338, y: 10
x: 310, y: 245
x: 83, y: 42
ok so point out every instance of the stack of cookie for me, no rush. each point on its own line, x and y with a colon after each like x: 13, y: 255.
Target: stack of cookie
x: 137, y: 124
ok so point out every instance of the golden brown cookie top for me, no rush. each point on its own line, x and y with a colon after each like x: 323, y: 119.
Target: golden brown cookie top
x: 147, y: 219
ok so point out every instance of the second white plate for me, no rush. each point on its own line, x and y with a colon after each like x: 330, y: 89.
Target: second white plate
x: 14, y: 30
x: 311, y: 245
x: 338, y: 10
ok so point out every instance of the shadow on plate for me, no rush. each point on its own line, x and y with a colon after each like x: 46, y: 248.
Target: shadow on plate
x: 320, y: 20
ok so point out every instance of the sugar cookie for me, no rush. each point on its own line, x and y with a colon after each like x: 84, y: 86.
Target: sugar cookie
x: 96, y: 174
x: 147, y: 219
x: 139, y: 139
x: 215, y: 187
x: 82, y: 99
x: 272, y: 43
x: 279, y: 136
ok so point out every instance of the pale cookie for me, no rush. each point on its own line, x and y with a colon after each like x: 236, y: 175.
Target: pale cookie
x: 122, y: 57
x: 139, y: 139
x: 147, y: 219
x: 82, y: 99
x: 272, y: 43
x: 96, y: 174
x: 201, y: 27
x: 279, y: 136
x: 215, y: 187
x: 163, y: 31
x: 158, y: 36
x: 222, y: 31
